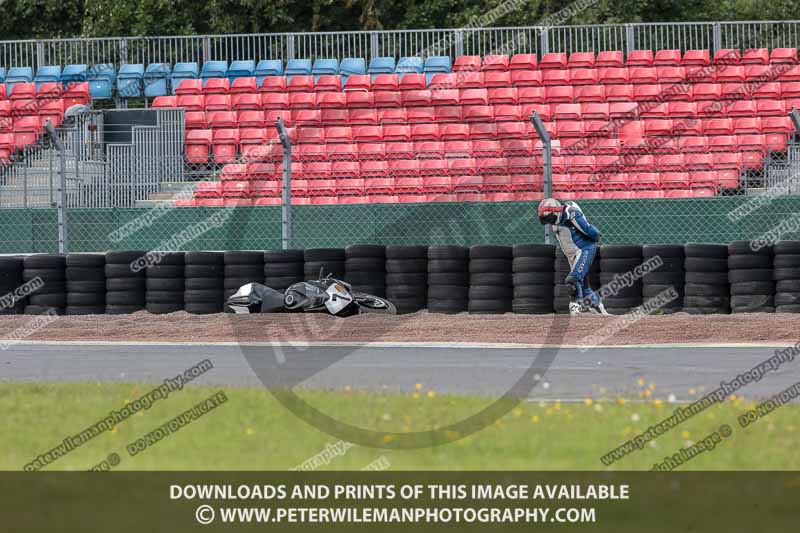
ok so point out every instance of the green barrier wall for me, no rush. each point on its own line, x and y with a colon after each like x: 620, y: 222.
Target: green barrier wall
x: 621, y: 221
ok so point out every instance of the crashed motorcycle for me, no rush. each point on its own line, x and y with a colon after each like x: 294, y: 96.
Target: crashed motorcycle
x: 325, y: 295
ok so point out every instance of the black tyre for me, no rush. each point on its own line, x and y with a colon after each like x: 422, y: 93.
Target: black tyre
x: 244, y: 258
x: 663, y: 250
x: 692, y: 289
x: 204, y: 258
x: 746, y: 248
x: 202, y: 296
x: 284, y: 256
x: 534, y: 278
x: 116, y: 309
x: 753, y: 287
x: 620, y: 251
x: 406, y: 265
x: 282, y: 282
x: 311, y: 270
x: 365, y: 264
x: 490, y: 292
x: 409, y: 278
x: 324, y: 255
x: 787, y: 308
x: 166, y: 271
x: 366, y: 278
x: 125, y: 257
x: 489, y: 307
x: 479, y: 266
x: 752, y: 301
x: 504, y: 280
x: 541, y: 292
x: 116, y: 270
x: 165, y: 284
x: 705, y: 264
x: 628, y: 302
x: 527, y: 306
x: 713, y: 251
x: 84, y: 299
x: 376, y: 251
x: 436, y: 266
x: 169, y: 258
x: 212, y: 284
x: 406, y: 252
x: 448, y: 278
x: 787, y: 247
x: 753, y: 274
x: 707, y: 310
x: 163, y: 308
x: 85, y: 261
x: 86, y: 286
x: 780, y: 274
x: 164, y: 297
x: 126, y: 284
x: 707, y: 278
x: 706, y: 301
x: 490, y: 251
x: 56, y: 299
x: 406, y: 291
x: 198, y: 308
x: 204, y: 271
x: 283, y: 269
x: 42, y: 309
x: 664, y: 278
x: 448, y: 292
x: 46, y: 274
x: 619, y: 265
x: 84, y: 274
x: 533, y: 264
x: 124, y: 298
x: 45, y: 261
x: 650, y: 291
x: 448, y: 252
x: 786, y: 261
x: 534, y: 250
x: 787, y: 298
x: 788, y: 285
x: 739, y: 262
x: 446, y: 306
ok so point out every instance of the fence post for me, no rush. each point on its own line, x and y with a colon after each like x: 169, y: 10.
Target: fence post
x: 630, y: 39
x: 286, y: 196
x: 374, y: 48
x: 40, y: 59
x: 547, y: 150
x: 544, y: 40
x: 62, y: 188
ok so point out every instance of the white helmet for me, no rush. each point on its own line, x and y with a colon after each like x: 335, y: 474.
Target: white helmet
x: 550, y: 211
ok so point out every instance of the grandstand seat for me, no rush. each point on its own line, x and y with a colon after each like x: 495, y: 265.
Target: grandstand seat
x: 245, y: 101
x: 727, y: 56
x: 743, y: 125
x: 360, y: 99
x: 327, y: 82
x: 387, y: 98
x: 492, y: 62
x: 468, y: 63
x: 301, y: 100
x: 531, y: 95
x: 183, y: 71
x: 609, y: 58
x: 776, y: 125
x: 766, y: 107
x: 188, y: 86
x: 667, y: 58
x: 469, y: 80
x: 221, y: 119
x: 783, y: 55
x: 362, y: 117
x: 643, y: 75
x: 434, y: 65
x: 496, y: 78
x: 590, y: 93
x: 411, y: 64
x: 240, y: 69
x: 381, y: 65
x: 352, y: 66
x: 640, y: 58
x: 412, y: 81
x: 385, y: 82
x: 469, y: 97
x: 190, y: 102
x: 306, y: 117
x: 479, y: 130
x: 217, y: 102
x: 556, y: 77
x: 266, y: 68
x: 250, y: 118
x: 392, y: 115
x: 101, y: 78
x: 450, y: 113
x: 581, y: 76
x: 195, y: 120
x: 558, y: 94
x: 130, y: 81
x: 47, y: 74
x: 298, y: 67
x: 497, y: 95
x: 768, y: 90
x: 17, y: 75
x: 670, y: 163
x: 718, y: 126
x: 300, y: 83
x: 165, y: 102
x: 22, y: 91
x: 225, y: 143
x: 216, y: 86
x: 274, y: 100
x: 569, y: 128
x: 334, y: 117
x: 581, y: 60
x: 508, y: 113
x: 706, y: 91
x: 619, y: 93
x: 156, y: 79
x: 358, y: 82
x: 76, y: 93
x: 647, y: 92
x: 323, y: 66
x: 755, y: 56
x: 416, y: 98
x: 656, y: 110
x: 198, y: 145
x: 553, y: 60
x: 526, y: 78
x: 429, y: 149
x: 612, y: 75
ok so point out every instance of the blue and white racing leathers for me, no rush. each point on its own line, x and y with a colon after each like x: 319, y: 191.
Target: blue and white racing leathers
x: 578, y: 240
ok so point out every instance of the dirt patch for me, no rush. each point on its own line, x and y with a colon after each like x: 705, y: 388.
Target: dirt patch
x: 417, y: 327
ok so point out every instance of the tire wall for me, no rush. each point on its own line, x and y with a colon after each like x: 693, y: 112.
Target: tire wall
x: 482, y: 279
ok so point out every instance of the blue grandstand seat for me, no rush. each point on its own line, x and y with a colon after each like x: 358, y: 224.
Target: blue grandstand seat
x: 156, y: 79
x: 101, y: 78
x: 435, y: 64
x: 183, y: 71
x: 298, y: 67
x: 325, y: 66
x: 381, y: 65
x: 241, y: 69
x: 73, y: 74
x: 353, y: 65
x: 129, y: 81
x: 47, y: 74
x: 18, y: 75
x: 409, y: 64
x: 2, y: 74
x: 213, y: 69
x: 268, y: 67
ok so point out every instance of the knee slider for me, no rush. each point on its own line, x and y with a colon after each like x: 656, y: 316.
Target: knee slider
x: 572, y: 281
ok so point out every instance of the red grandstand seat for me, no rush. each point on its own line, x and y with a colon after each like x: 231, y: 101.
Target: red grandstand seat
x: 643, y: 180
x: 454, y: 132
x: 225, y: 144
x: 567, y: 112
x: 387, y: 99
x: 271, y: 117
x: 667, y: 58
x: 332, y: 100
x: 467, y: 63
x: 655, y: 110
x: 49, y: 90
x: 696, y: 57
x: 443, y: 80
x: 791, y: 74
x: 195, y: 120
x: 499, y: 95
x: 730, y: 74
x: 412, y: 81
x: 579, y: 76
x: 590, y: 93
x: 642, y: 75
x: 743, y: 125
x: 52, y: 110
x: 674, y: 180
x: 728, y: 160
x: 706, y: 91
x: 647, y: 93
x: 555, y: 77
x: 23, y: 108
x: 198, y: 145
x: 508, y: 113
x: 473, y: 97
x: 416, y: 98
x: 617, y: 110
x: 311, y: 134
x: 447, y: 97
x: 496, y: 79
x: 721, y: 143
x: 531, y: 95
x: 420, y: 114
x: 350, y: 186
x: 341, y: 151
x: 370, y: 169
x: 692, y: 144
x: 728, y: 178
x: 217, y: 86
x: 335, y: 117
x: 371, y: 150
x: 379, y: 186
x: 758, y: 73
x: 670, y: 74
x: 359, y: 99
x: 718, y: 126
x: 569, y: 128
x: 790, y: 89
x: 670, y: 162
x: 776, y: 125
x: 609, y: 58
x: 217, y: 102
x: 447, y: 113
x: 404, y: 167
x: 783, y: 55
x: 433, y: 167
x: 300, y: 83
x: 755, y: 56
x: 264, y: 171
x: 558, y: 94
x: 641, y: 58
x: 522, y: 62
x: 605, y: 146
x: 526, y: 78
x: 23, y: 91
x: 358, y: 82
x: 76, y: 93
x: 612, y: 75
x: 553, y: 60
x: 463, y: 166
x: 486, y: 148
x: 363, y: 117
x: 385, y: 82
x: 768, y: 90
x: 261, y: 152
x: 699, y: 161
x: 272, y: 84
x: 396, y: 132
x: 302, y: 100
x: 243, y: 85
x: 581, y: 60
x: 687, y: 126
x: 776, y: 141
x: 429, y: 149
x: 457, y: 148
x: 543, y: 110
x: 306, y: 117
x: 727, y: 56
x: 338, y: 134
x: 245, y: 101
x: 425, y: 132
x: 619, y: 93
x: 743, y: 108
x: 390, y: 115
x: 189, y: 86
x: 494, y: 62
x: 274, y: 100
x: 327, y: 82
x: 768, y: 107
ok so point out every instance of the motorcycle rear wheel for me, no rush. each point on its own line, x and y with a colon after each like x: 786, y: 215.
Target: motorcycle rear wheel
x: 369, y: 303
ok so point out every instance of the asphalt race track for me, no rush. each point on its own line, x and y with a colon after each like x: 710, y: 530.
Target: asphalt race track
x: 464, y: 369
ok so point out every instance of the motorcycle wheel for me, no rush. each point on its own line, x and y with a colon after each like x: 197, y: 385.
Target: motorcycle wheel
x: 369, y: 303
